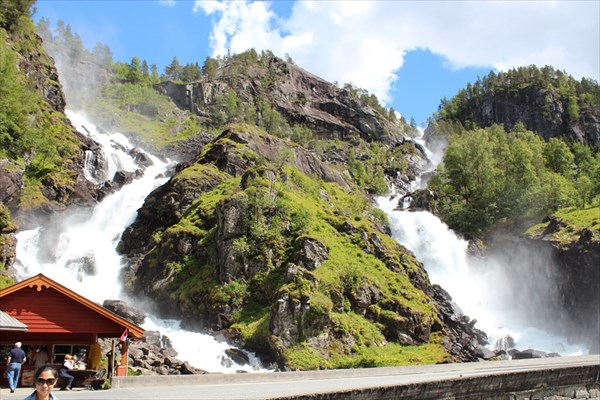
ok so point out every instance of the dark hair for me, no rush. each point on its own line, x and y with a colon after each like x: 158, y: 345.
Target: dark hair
x: 47, y: 367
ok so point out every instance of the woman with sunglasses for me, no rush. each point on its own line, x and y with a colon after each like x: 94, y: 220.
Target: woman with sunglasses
x: 45, y: 378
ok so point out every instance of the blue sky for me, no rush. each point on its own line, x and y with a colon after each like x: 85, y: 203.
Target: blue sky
x: 410, y: 54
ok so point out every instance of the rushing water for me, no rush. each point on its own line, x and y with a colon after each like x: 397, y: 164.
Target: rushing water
x: 483, y: 289
x: 78, y: 247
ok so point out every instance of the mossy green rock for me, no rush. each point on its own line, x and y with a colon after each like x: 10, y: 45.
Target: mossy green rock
x: 286, y: 256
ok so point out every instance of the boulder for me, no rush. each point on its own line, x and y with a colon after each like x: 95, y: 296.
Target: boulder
x: 363, y: 296
x: 168, y: 351
x: 286, y: 318
x: 171, y: 361
x: 421, y: 200
x: 125, y: 310
x: 238, y: 356
x: 406, y: 340
x: 11, y: 181
x: 152, y: 338
x: 141, y: 158
x: 311, y: 253
x: 187, y: 369
x: 83, y: 265
x: 504, y: 343
x: 96, y: 164
x: 484, y: 352
x: 526, y: 354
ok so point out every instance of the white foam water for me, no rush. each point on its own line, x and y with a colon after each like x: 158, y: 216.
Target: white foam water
x: 78, y: 248
x: 479, y: 291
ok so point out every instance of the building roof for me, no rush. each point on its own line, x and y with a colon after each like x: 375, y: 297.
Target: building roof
x: 8, y: 323
x: 60, y: 310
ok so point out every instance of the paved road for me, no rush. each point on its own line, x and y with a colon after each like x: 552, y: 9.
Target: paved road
x: 271, y: 385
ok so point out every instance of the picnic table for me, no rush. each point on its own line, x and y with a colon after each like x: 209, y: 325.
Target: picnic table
x: 83, y: 376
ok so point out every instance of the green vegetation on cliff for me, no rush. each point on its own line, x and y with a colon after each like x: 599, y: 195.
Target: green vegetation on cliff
x: 569, y: 224
x: 140, y: 111
x: 490, y: 176
x: 34, y: 134
x: 296, y: 266
x: 522, y: 144
x: 7, y: 243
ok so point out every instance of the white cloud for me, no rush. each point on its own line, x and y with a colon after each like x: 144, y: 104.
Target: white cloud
x: 167, y: 3
x: 363, y: 42
x: 240, y: 25
x: 563, y: 34
x: 209, y: 6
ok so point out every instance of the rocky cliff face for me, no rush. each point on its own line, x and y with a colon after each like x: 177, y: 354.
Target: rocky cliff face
x: 231, y: 232
x: 546, y: 101
x: 7, y: 241
x: 541, y: 111
x: 301, y: 97
x: 229, y: 244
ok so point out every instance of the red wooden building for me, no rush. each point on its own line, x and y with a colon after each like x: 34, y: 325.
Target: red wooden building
x: 59, y: 319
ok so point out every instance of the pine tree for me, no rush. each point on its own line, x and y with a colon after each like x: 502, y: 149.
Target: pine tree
x: 174, y: 70
x: 145, y: 72
x: 154, y: 74
x: 135, y: 73
x: 210, y: 68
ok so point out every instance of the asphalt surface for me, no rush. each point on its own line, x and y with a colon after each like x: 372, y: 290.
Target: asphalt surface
x: 255, y: 386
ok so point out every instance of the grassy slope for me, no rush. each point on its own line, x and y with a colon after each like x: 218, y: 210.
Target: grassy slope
x: 572, y: 222
x: 309, y: 208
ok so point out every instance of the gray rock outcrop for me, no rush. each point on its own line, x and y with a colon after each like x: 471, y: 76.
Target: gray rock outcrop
x: 125, y: 310
x: 539, y: 110
x: 301, y: 97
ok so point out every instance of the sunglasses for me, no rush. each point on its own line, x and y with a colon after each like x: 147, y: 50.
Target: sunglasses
x: 49, y: 381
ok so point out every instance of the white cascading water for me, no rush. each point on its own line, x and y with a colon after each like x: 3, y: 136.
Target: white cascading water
x: 480, y: 289
x: 79, y: 249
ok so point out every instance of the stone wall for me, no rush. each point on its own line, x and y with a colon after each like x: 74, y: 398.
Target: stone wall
x: 554, y: 384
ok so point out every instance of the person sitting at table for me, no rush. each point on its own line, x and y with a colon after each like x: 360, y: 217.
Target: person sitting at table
x: 63, y: 372
x: 78, y: 362
x: 74, y: 361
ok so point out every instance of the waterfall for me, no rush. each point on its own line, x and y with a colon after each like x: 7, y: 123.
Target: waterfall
x: 78, y: 247
x: 88, y: 166
x: 484, y: 289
